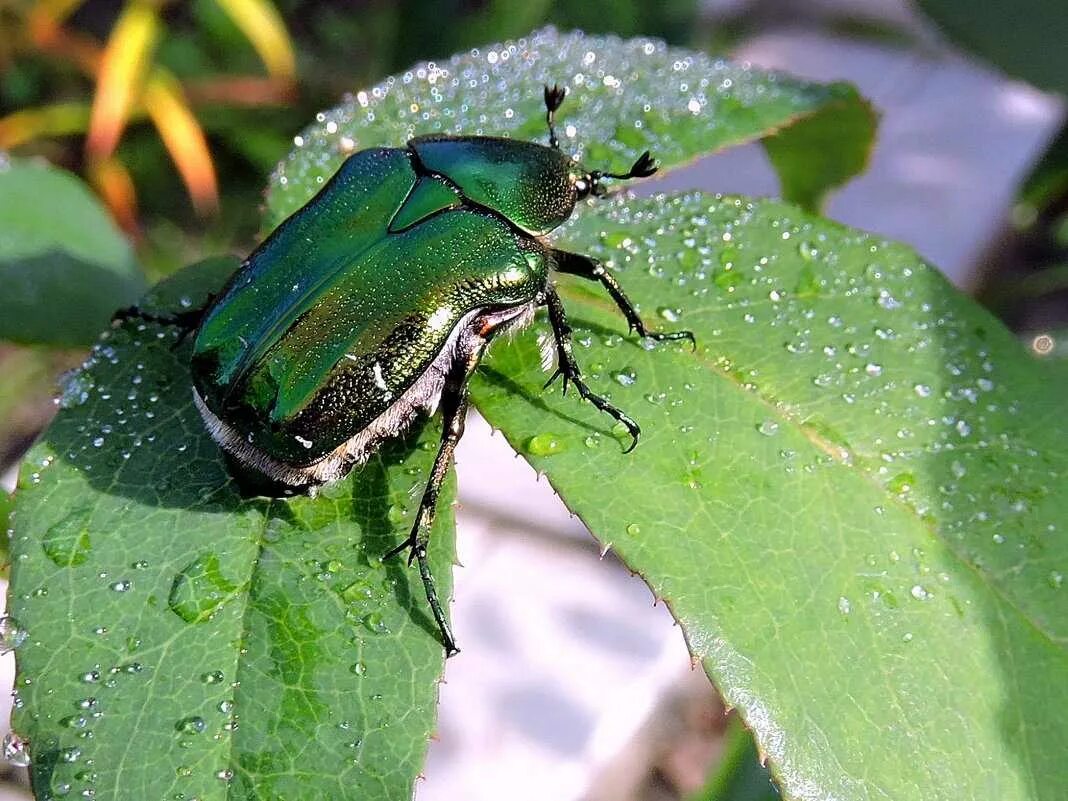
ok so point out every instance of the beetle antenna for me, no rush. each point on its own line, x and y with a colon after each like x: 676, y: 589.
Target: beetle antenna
x: 642, y: 168
x: 553, y: 98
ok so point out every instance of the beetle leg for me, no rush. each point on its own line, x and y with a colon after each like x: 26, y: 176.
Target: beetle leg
x: 568, y: 369
x: 593, y: 270
x: 454, y: 399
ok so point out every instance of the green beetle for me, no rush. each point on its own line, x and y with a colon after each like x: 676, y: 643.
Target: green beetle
x: 376, y: 301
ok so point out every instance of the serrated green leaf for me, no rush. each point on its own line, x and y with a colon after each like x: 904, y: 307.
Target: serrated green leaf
x: 852, y: 495
x: 624, y: 96
x: 64, y: 265
x: 184, y: 642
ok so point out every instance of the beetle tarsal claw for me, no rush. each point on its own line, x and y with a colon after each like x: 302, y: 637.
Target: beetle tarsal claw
x: 557, y: 374
x: 554, y: 96
x: 408, y: 543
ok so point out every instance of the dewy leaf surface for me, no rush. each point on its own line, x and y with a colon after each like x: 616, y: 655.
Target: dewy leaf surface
x: 851, y: 495
x: 59, y: 250
x: 624, y: 96
x: 185, y: 643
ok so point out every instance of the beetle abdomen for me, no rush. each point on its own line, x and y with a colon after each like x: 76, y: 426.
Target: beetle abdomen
x: 374, y: 330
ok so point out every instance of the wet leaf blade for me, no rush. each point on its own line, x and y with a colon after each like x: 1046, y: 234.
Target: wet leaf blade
x: 852, y: 496
x: 624, y: 97
x: 213, y: 646
x: 59, y: 250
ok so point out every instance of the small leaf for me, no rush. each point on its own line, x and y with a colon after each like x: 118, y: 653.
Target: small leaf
x: 825, y: 149
x: 624, y: 97
x: 213, y: 647
x: 64, y: 266
x: 122, y: 72
x: 55, y: 119
x: 852, y: 498
x: 115, y: 186
x: 260, y: 22
x: 183, y: 137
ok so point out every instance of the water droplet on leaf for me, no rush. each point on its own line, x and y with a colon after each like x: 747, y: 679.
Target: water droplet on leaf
x: 544, y: 445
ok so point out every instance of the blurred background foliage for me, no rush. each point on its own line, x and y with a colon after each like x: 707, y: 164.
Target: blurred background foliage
x: 175, y: 112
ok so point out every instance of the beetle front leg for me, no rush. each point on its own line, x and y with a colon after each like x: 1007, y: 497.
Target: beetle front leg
x: 567, y: 368
x: 593, y: 270
x: 454, y: 401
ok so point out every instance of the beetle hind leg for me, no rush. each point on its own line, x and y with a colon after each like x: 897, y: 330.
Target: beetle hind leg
x: 568, y: 370
x: 454, y: 401
x: 593, y: 270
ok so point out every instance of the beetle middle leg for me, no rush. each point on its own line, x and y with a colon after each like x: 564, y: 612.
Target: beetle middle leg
x: 568, y: 370
x: 454, y: 401
x: 593, y: 270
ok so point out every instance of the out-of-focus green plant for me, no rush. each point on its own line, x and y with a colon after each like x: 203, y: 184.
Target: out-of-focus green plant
x: 129, y: 83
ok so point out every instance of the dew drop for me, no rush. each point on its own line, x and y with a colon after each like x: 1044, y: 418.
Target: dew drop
x: 67, y: 543
x: 919, y: 593
x: 545, y: 445
x: 12, y: 635
x: 199, y: 589
x: 1055, y: 579
x: 768, y: 428
x: 358, y: 591
x: 843, y: 605
x: 375, y: 623
x: 16, y: 751
x: 191, y: 725
x: 634, y: 529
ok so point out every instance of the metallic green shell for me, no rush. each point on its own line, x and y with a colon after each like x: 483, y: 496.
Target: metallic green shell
x: 530, y: 184
x: 334, y: 317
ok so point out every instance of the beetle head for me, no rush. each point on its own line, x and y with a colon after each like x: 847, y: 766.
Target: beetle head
x: 589, y: 182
